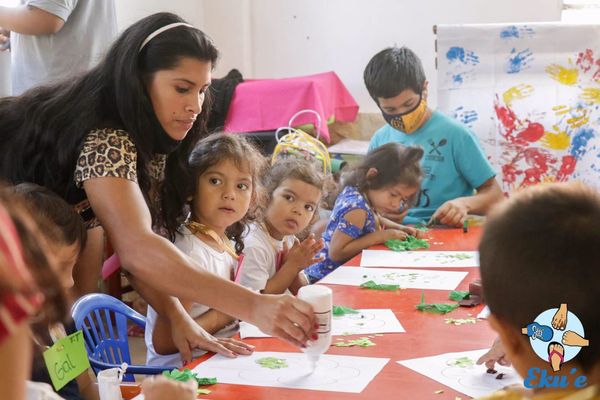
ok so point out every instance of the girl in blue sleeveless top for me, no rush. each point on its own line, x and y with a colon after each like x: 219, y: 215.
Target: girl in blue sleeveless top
x: 386, y: 181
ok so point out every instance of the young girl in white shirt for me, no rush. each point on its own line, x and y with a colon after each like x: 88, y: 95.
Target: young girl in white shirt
x: 274, y: 258
x: 224, y: 171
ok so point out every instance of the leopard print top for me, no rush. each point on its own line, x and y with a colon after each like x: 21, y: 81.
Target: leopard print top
x: 112, y: 153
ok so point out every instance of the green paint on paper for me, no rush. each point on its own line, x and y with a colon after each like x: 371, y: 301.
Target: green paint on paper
x: 272, y: 362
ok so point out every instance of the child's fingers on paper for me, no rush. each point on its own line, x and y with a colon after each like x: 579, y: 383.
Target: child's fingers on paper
x: 236, y: 346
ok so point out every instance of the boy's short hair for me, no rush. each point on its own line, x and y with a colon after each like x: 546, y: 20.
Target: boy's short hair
x: 392, y: 71
x: 540, y: 249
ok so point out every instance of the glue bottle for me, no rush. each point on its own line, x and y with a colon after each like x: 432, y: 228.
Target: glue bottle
x: 320, y: 298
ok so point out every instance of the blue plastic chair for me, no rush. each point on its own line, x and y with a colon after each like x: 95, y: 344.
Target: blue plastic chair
x: 95, y: 314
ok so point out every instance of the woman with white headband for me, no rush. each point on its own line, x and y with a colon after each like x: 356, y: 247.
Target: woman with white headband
x: 114, y: 143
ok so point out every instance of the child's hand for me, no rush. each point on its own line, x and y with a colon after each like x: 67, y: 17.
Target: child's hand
x: 412, y: 231
x: 495, y: 354
x: 156, y: 388
x: 301, y: 255
x: 451, y: 213
x: 388, y: 234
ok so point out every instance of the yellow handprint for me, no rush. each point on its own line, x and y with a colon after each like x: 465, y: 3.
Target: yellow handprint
x: 516, y: 93
x: 579, y: 120
x: 591, y: 95
x: 557, y: 140
x: 561, y: 110
x: 566, y: 76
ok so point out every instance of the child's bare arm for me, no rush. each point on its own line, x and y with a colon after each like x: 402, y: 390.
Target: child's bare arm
x: 389, y: 224
x: 299, y: 281
x: 300, y: 256
x: 213, y: 321
x: 343, y: 247
x: 162, y: 336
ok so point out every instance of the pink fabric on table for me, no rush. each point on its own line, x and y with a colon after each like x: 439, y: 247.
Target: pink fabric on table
x: 268, y: 104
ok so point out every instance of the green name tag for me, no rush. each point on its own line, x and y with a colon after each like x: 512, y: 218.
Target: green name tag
x: 66, y: 359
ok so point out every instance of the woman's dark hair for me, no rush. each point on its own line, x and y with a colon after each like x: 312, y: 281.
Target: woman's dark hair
x: 208, y: 152
x: 42, y: 131
x: 395, y: 164
x: 57, y: 219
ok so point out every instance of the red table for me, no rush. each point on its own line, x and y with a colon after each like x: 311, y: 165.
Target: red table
x: 426, y: 335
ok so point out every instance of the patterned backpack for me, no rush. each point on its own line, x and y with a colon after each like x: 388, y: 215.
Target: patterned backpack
x: 300, y: 144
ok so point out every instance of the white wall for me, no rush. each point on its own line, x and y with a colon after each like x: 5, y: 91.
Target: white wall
x: 281, y: 38
x: 291, y: 37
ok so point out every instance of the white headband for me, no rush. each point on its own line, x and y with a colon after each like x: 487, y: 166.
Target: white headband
x: 161, y: 30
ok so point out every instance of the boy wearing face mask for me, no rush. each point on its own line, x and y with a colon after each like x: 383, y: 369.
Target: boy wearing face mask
x: 458, y: 180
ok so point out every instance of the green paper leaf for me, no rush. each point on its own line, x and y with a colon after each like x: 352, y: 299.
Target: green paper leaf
x: 458, y: 295
x: 272, y: 362
x: 361, y: 342
x: 66, y: 359
x: 462, y: 362
x: 410, y: 243
x: 186, y: 375
x: 375, y: 286
x: 435, y: 308
x: 341, y: 310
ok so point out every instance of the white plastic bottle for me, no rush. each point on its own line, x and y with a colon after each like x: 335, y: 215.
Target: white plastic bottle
x: 320, y: 298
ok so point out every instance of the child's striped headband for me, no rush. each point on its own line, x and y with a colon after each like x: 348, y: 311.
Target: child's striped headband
x: 161, y: 30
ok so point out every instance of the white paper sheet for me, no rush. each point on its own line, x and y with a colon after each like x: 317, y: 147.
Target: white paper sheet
x: 406, y: 278
x: 485, y: 313
x: 421, y: 259
x: 365, y: 322
x: 350, y: 146
x: 472, y: 380
x: 333, y: 373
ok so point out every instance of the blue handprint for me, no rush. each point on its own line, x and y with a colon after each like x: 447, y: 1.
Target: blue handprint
x: 518, y: 61
x: 467, y: 117
x: 458, y: 54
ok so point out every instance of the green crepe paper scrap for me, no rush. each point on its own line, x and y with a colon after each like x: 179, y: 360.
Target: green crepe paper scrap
x: 410, y: 243
x: 435, y: 308
x: 375, y: 286
x: 272, y: 362
x: 186, y: 375
x: 361, y: 342
x: 462, y: 362
x: 422, y: 226
x: 341, y: 310
x: 459, y: 256
x: 460, y: 321
x: 458, y: 295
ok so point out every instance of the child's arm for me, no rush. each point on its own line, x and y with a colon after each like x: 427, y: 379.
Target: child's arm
x: 343, y: 246
x: 300, y: 256
x: 410, y: 230
x: 299, y: 281
x: 213, y: 321
x: 87, y: 389
x: 454, y: 212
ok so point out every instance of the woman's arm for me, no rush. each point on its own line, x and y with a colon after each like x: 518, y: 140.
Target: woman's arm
x: 119, y: 205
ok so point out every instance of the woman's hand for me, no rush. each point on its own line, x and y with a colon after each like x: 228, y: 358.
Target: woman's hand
x: 286, y: 317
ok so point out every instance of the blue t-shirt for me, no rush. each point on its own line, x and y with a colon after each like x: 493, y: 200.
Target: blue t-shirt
x: 350, y: 199
x: 453, y: 163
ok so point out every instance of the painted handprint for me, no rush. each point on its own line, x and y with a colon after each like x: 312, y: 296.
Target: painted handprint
x: 458, y: 54
x: 467, y: 117
x: 516, y: 32
x: 518, y: 61
x: 517, y: 93
x: 566, y: 76
x: 591, y: 95
x: 556, y: 140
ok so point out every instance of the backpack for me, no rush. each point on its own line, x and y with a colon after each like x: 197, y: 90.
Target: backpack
x: 298, y: 143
